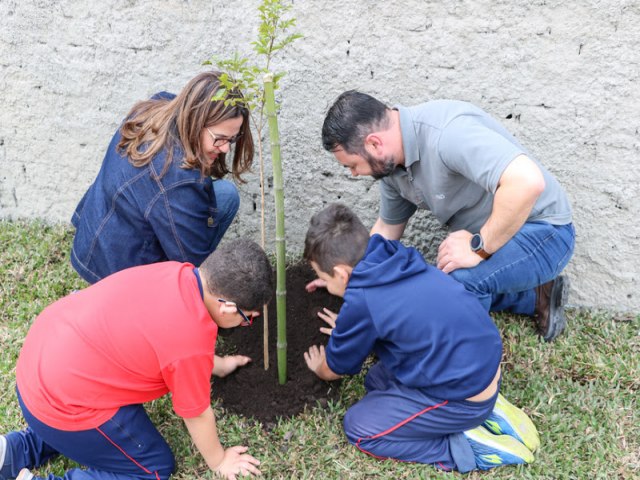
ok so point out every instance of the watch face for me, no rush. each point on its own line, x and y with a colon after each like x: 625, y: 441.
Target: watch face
x: 476, y: 242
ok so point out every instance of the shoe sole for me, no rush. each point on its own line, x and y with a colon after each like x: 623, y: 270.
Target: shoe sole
x: 3, y: 449
x: 25, y: 474
x: 4, y: 469
x: 498, y: 447
x: 520, y: 425
x: 557, y: 317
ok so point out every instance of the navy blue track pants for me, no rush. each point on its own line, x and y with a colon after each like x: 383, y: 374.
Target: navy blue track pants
x: 407, y: 424
x: 128, y: 446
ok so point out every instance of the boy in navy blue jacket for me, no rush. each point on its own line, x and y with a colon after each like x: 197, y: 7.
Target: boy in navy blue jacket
x: 432, y: 397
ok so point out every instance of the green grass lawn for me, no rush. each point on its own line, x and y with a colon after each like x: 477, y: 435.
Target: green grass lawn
x: 581, y: 390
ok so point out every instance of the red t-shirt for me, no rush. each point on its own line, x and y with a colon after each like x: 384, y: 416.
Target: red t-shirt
x: 130, y: 338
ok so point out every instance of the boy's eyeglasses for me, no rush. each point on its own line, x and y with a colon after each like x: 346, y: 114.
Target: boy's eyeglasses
x: 220, y: 141
x: 246, y: 321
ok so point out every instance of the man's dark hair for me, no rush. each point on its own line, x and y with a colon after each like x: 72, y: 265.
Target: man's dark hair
x: 240, y: 272
x: 335, y: 236
x: 350, y: 119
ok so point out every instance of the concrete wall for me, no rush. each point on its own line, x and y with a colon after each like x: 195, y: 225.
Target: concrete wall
x: 563, y: 76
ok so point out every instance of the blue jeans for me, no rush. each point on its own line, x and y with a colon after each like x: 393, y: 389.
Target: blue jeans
x: 395, y: 421
x: 228, y: 203
x: 127, y: 446
x: 507, y: 280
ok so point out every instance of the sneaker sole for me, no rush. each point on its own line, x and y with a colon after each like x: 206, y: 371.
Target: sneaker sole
x: 3, y: 449
x: 5, y: 470
x: 25, y: 474
x: 520, y: 425
x: 557, y: 317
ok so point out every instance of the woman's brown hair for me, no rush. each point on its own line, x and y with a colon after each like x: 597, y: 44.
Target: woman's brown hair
x: 155, y: 124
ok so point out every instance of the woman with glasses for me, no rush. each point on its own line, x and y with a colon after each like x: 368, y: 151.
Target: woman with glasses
x: 160, y: 193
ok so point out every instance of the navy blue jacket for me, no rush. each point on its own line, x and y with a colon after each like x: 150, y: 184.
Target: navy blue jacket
x: 425, y: 328
x: 130, y: 217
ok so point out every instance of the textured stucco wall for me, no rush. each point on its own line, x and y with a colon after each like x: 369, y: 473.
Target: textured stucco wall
x: 563, y: 76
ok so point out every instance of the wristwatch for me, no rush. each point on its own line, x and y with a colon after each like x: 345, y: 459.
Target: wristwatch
x: 477, y: 246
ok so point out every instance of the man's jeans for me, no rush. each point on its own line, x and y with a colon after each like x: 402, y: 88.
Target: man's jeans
x: 507, y: 280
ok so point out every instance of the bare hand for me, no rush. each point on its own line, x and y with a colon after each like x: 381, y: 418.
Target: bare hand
x: 237, y: 462
x: 314, y: 358
x: 330, y: 318
x: 317, y: 283
x: 223, y: 366
x: 455, y: 252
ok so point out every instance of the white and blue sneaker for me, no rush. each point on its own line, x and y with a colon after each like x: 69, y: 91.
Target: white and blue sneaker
x: 3, y: 449
x: 507, y: 419
x: 25, y: 474
x: 5, y: 470
x: 5, y: 466
x: 492, y: 451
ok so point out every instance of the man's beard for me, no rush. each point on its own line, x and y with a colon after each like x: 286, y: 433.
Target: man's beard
x: 380, y: 168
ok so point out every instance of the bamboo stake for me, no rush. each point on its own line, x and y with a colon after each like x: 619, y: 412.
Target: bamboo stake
x: 265, y: 310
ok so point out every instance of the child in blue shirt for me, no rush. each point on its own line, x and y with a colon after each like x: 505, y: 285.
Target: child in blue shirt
x: 432, y: 397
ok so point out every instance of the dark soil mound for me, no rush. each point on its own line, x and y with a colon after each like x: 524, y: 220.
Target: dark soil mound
x: 255, y: 392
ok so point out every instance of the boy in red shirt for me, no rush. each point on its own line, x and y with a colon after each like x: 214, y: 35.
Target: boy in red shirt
x: 92, y: 359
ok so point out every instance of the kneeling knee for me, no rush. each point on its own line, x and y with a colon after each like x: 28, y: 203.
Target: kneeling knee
x: 353, y: 426
x: 227, y: 196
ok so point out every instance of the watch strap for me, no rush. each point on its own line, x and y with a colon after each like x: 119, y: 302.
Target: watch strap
x: 479, y: 248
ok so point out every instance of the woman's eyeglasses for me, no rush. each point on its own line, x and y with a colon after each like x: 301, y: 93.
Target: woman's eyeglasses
x: 220, y: 141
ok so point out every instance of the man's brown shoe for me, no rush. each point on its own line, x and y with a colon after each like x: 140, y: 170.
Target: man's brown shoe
x: 549, y: 313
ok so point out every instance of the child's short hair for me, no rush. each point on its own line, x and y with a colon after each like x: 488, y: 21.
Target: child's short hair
x: 239, y: 271
x: 335, y: 236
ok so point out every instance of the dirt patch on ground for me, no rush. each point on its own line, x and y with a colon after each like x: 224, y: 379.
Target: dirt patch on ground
x: 255, y: 392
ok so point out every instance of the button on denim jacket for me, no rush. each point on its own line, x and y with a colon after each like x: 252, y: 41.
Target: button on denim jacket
x: 131, y: 217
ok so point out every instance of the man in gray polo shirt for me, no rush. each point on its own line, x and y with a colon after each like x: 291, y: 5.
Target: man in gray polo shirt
x: 509, y: 219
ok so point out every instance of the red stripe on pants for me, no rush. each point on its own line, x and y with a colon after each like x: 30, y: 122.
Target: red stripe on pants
x: 145, y: 470
x: 395, y: 427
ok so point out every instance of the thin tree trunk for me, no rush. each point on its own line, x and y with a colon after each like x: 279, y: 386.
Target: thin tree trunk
x: 281, y: 292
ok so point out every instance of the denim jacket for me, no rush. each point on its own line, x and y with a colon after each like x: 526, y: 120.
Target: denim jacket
x: 131, y: 217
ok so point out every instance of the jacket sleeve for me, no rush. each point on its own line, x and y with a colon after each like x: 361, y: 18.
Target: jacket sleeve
x: 183, y: 219
x: 353, y: 337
